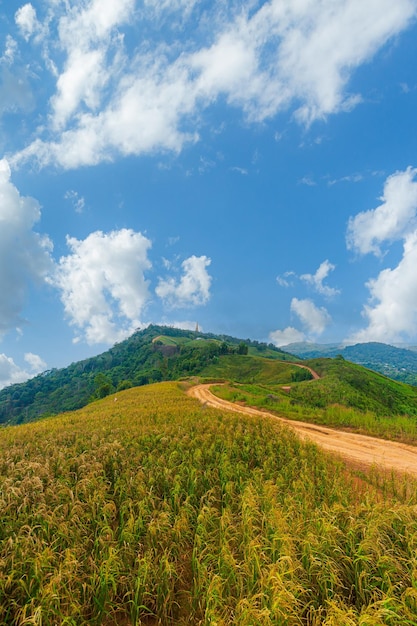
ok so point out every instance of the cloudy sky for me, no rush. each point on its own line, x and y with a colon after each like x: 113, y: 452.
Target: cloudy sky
x: 247, y: 165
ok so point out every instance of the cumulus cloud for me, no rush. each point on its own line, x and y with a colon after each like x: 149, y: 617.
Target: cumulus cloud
x: 87, y: 68
x: 102, y: 283
x: 316, y: 280
x: 314, y: 319
x: 25, y: 255
x: 10, y: 373
x: 392, y: 309
x: 391, y: 220
x: 192, y: 289
x: 284, y: 55
x: 26, y: 20
x: 286, y: 336
x: 35, y: 362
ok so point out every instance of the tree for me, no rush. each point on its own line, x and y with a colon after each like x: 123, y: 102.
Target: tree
x: 104, y: 386
x: 242, y: 348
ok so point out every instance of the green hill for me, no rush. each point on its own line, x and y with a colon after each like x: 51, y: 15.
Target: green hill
x: 151, y: 355
x: 354, y: 386
x: 397, y: 363
x: 345, y: 396
x: 151, y: 509
x: 262, y: 375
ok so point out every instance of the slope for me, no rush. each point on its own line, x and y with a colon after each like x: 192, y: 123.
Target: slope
x: 397, y: 363
x: 361, y: 450
x: 152, y: 509
x: 151, y: 355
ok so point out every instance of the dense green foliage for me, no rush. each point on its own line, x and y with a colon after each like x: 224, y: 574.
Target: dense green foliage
x: 151, y: 505
x: 351, y: 385
x: 152, y: 355
x: 397, y: 363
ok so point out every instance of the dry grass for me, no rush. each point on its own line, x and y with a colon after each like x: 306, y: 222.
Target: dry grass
x: 154, y: 510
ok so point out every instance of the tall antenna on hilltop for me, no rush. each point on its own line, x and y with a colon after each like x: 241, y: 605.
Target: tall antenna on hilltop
x: 196, y: 328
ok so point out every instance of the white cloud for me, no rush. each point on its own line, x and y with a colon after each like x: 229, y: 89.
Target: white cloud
x: 77, y: 201
x: 24, y: 254
x: 86, y: 35
x: 10, y: 373
x: 103, y: 285
x: 286, y: 336
x: 35, y: 362
x: 350, y: 178
x: 314, y: 319
x: 184, y: 325
x: 240, y: 170
x: 26, y: 20
x: 284, y: 55
x: 283, y: 280
x: 316, y: 280
x: 170, y: 6
x: 307, y: 180
x: 9, y: 51
x: 392, y: 310
x: 392, y: 220
x: 193, y: 288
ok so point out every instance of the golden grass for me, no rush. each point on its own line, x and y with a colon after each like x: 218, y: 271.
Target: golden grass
x: 151, y: 509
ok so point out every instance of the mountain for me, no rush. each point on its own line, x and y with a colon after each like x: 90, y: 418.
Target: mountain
x: 162, y: 353
x: 151, y: 355
x: 397, y: 363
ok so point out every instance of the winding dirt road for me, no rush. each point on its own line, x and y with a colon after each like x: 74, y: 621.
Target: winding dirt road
x: 361, y: 450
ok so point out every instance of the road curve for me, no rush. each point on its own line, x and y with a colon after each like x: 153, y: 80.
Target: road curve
x: 361, y: 450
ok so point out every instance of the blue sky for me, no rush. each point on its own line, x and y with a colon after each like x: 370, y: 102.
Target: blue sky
x: 248, y: 165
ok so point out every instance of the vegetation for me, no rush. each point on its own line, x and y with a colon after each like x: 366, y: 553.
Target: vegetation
x: 346, y: 396
x: 152, y: 355
x: 146, y: 508
x: 253, y: 369
x: 340, y: 382
x: 397, y: 363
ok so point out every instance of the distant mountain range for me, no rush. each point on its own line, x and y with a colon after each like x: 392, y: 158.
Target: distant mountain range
x: 394, y: 362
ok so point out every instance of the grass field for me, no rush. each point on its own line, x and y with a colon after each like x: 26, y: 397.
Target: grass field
x: 252, y: 370
x: 151, y: 509
x: 345, y: 396
x: 280, y: 402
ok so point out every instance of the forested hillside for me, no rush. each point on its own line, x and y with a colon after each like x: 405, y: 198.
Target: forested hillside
x: 151, y: 355
x: 397, y: 363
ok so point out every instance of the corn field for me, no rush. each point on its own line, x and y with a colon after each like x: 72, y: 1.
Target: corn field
x: 147, y: 508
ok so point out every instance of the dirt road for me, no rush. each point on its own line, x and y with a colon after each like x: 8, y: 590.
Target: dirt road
x: 362, y: 450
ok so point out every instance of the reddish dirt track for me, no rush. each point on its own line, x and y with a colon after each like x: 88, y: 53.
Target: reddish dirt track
x: 360, y: 450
